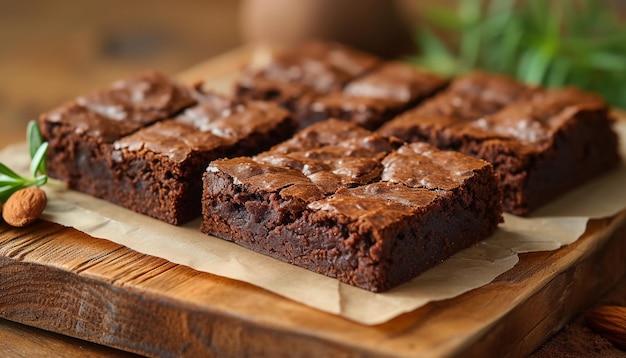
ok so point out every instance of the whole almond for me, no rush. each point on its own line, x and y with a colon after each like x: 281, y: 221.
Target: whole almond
x: 609, y: 322
x: 24, y: 206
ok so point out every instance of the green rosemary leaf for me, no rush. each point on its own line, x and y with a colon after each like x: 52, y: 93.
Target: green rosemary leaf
x: 552, y: 43
x: 439, y: 57
x: 8, y: 172
x: 607, y: 61
x: 37, y: 164
x: 469, y: 12
x: 33, y: 135
x: 533, y: 66
x: 7, y: 180
x: 558, y: 73
x: 40, y: 180
x: 512, y: 38
x: 432, y: 45
x: 10, y: 181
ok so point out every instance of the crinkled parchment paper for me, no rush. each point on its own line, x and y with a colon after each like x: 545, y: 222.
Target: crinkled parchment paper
x: 560, y: 223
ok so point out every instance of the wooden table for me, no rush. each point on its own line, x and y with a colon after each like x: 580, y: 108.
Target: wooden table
x: 61, y: 280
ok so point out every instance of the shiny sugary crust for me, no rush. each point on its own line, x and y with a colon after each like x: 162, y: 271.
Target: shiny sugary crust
x: 541, y: 142
x: 375, y: 97
x: 345, y: 202
x: 144, y: 142
x: 303, y: 71
x: 319, y: 80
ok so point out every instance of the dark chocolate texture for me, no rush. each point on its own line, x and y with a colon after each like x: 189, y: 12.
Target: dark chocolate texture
x: 319, y: 80
x: 305, y: 70
x: 376, y: 97
x: 541, y: 142
x: 345, y: 202
x: 141, y: 144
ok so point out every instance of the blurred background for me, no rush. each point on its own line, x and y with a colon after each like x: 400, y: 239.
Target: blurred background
x: 52, y: 51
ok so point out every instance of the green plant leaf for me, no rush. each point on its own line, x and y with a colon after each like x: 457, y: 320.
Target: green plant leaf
x: 432, y: 45
x: 558, y: 73
x: 37, y: 164
x: 8, y: 172
x: 607, y: 61
x: 40, y: 180
x: 7, y: 180
x: 34, y: 137
x: 552, y: 43
x: 436, y: 55
x: 11, y: 181
x: 533, y: 66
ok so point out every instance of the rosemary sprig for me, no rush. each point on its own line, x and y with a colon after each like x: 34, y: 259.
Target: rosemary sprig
x: 552, y: 43
x: 10, y: 181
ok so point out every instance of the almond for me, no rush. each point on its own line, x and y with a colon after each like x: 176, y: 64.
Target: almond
x: 609, y: 322
x: 24, y: 206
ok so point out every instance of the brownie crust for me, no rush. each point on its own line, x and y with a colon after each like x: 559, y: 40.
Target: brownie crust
x: 344, y: 202
x: 81, y: 134
x: 144, y: 142
x: 321, y: 80
x: 542, y: 143
x: 375, y: 97
x: 297, y: 74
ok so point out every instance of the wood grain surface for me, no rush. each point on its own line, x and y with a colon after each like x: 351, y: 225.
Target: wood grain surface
x: 17, y: 340
x: 65, y: 281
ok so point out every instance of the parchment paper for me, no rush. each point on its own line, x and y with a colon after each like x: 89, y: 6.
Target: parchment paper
x: 560, y: 223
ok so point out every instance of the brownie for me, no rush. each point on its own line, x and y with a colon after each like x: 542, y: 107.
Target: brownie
x: 81, y: 133
x: 296, y: 75
x: 345, y: 202
x: 376, y: 97
x: 542, y: 143
x: 153, y: 163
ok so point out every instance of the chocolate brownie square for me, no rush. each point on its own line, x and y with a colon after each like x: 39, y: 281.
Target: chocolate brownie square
x: 158, y: 169
x: 81, y: 133
x: 541, y: 142
x: 296, y: 75
x: 345, y: 202
x: 376, y: 97
x: 153, y: 163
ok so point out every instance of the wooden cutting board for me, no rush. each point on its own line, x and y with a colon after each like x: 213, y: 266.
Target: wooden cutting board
x: 62, y: 280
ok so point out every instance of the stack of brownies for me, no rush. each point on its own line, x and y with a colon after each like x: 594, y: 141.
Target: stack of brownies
x: 393, y: 170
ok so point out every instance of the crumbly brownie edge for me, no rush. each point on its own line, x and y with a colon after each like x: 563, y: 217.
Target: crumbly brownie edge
x: 369, y: 117
x: 77, y: 158
x: 236, y: 213
x: 86, y: 164
x: 260, y: 141
x: 172, y: 192
x: 452, y: 222
x: 465, y: 216
x: 402, y: 128
x: 286, y: 230
x: 583, y: 149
